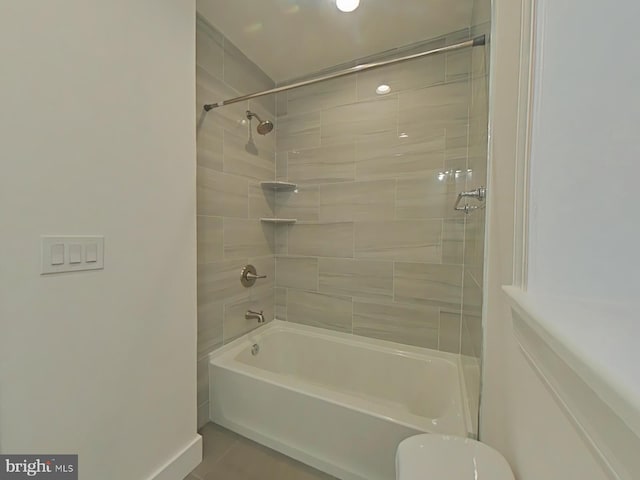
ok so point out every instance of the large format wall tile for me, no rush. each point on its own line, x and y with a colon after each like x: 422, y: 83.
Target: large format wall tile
x: 297, y: 272
x: 357, y: 278
x: 449, y: 332
x: 391, y: 156
x: 323, y: 95
x: 321, y: 239
x: 243, y: 157
x: 221, y: 195
x: 408, y: 324
x: 400, y: 240
x: 244, y: 238
x: 429, y: 284
x: 359, y: 121
x: 220, y: 281
x: 301, y: 204
x: 262, y: 202
x: 232, y: 160
x: 210, y: 49
x: 209, y: 239
x: 377, y: 250
x: 246, y: 76
x: 358, y: 201
x: 210, y: 319
x: 298, y: 131
x: 424, y: 111
x: 430, y: 196
x: 322, y: 165
x: 319, y: 310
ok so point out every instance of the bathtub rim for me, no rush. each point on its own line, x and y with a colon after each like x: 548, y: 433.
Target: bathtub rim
x: 224, y: 358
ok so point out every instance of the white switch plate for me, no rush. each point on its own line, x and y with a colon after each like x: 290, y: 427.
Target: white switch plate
x: 75, y: 248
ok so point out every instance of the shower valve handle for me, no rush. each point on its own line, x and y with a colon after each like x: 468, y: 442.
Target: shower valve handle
x: 249, y: 275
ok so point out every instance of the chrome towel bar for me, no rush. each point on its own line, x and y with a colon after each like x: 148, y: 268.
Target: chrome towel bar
x: 479, y: 194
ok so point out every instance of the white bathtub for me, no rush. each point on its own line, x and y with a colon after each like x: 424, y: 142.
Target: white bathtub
x: 338, y: 402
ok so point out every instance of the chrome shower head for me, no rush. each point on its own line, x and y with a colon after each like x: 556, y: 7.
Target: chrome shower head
x: 264, y: 127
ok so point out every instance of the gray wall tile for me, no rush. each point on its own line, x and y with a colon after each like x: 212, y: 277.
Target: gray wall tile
x: 319, y: 310
x: 246, y: 76
x: 400, y: 240
x: 210, y: 318
x: 390, y: 156
x: 221, y: 195
x: 358, y: 201
x: 209, y: 239
x: 296, y: 132
x: 449, y: 332
x: 430, y: 196
x: 321, y: 239
x: 281, y: 303
x: 447, y: 106
x: 408, y: 324
x: 302, y: 204
x: 244, y: 238
x: 262, y: 201
x: 322, y: 164
x: 209, y: 49
x: 210, y: 144
x: 378, y: 250
x: 242, y: 157
x: 357, y: 278
x: 428, y: 284
x: 323, y: 95
x: 360, y: 121
x: 220, y: 281
x: 297, y: 272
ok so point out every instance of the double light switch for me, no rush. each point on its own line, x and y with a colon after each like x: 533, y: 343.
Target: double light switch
x: 71, y: 254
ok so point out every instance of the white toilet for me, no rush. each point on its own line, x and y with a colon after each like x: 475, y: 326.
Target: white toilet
x: 442, y: 457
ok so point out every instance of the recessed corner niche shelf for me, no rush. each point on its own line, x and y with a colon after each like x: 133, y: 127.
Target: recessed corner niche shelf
x: 279, y: 221
x: 279, y: 186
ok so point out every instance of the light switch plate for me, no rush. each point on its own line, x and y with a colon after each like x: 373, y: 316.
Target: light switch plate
x: 85, y: 252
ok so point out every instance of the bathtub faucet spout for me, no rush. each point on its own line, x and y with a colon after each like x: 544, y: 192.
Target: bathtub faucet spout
x: 257, y: 315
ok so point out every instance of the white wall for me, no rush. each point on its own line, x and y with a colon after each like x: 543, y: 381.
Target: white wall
x: 519, y: 416
x: 98, y: 137
x: 586, y: 155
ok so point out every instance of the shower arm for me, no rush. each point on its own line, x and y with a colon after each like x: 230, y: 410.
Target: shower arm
x: 474, y: 42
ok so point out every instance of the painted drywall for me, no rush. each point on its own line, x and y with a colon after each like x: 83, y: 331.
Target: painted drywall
x: 585, y: 167
x: 519, y: 416
x: 98, y: 137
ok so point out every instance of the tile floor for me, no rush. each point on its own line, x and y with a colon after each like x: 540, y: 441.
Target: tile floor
x: 228, y: 456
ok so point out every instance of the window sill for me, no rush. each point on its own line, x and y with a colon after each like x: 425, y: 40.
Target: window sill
x: 590, y: 364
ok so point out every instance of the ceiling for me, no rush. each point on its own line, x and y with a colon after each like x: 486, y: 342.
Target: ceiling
x: 292, y: 38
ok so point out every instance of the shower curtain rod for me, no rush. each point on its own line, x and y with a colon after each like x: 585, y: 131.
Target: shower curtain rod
x: 474, y: 42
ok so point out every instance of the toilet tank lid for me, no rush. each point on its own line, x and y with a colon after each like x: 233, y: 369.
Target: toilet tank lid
x: 443, y: 457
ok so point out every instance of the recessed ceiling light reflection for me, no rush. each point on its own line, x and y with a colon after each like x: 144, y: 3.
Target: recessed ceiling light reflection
x: 347, y: 5
x: 403, y: 135
x: 383, y: 89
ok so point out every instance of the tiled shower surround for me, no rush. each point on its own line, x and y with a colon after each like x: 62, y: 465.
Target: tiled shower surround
x: 377, y: 249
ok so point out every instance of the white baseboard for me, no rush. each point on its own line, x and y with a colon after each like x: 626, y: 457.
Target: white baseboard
x: 183, y: 463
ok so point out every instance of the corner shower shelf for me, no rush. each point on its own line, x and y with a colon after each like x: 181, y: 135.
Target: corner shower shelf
x: 279, y: 186
x: 279, y: 221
